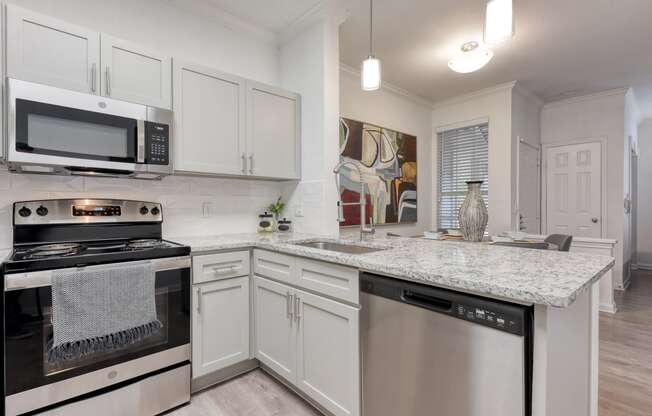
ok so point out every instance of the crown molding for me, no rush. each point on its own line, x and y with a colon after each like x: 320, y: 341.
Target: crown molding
x: 528, y: 95
x: 338, y: 10
x: 208, y: 10
x: 587, y: 97
x: 388, y: 87
x: 508, y: 86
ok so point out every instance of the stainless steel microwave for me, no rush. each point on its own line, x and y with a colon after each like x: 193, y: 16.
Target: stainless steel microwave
x: 53, y: 130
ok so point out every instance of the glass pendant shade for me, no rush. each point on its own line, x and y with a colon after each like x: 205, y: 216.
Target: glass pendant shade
x: 499, y: 21
x: 371, y: 74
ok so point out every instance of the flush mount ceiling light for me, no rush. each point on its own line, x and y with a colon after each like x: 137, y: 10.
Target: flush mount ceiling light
x: 472, y: 58
x: 499, y: 21
x: 371, y: 78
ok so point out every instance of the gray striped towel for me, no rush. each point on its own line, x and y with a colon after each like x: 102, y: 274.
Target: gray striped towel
x: 101, y: 308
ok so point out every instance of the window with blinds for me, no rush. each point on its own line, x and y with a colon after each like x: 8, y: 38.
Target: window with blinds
x: 463, y: 156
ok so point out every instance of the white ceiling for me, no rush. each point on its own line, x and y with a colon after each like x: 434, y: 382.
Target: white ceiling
x: 562, y: 48
x: 272, y: 15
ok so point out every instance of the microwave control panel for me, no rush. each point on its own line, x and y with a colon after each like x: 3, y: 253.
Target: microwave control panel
x: 157, y: 139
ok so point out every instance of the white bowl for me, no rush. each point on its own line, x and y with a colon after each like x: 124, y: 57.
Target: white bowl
x: 454, y: 233
x: 432, y: 235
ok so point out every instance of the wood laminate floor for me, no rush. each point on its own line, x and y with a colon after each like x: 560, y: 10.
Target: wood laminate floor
x: 625, y: 370
x: 626, y: 352
x: 252, y: 394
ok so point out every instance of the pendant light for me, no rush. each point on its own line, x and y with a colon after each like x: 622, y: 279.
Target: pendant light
x: 499, y: 21
x: 472, y: 58
x: 371, y: 78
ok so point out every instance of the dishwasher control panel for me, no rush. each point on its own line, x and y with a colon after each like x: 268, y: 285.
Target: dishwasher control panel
x: 500, y: 315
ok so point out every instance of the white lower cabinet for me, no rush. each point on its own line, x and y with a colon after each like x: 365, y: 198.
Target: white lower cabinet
x: 220, y: 324
x: 311, y: 341
x: 275, y: 327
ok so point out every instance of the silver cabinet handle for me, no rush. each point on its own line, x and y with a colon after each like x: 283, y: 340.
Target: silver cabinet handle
x: 297, y: 306
x: 107, y: 75
x: 224, y: 270
x: 288, y: 305
x: 94, y: 78
x: 251, y: 163
x: 198, y: 300
x: 244, y: 163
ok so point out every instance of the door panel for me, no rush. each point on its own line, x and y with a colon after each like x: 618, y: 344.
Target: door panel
x: 209, y: 121
x: 328, y: 353
x: 49, y: 51
x: 220, y: 325
x: 134, y: 74
x: 574, y: 187
x: 275, y: 329
x: 273, y: 131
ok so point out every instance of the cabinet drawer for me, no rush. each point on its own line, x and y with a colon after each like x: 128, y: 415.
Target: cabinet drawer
x: 220, y: 266
x: 333, y: 280
x: 275, y: 265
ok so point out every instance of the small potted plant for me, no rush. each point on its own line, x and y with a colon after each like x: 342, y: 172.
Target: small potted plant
x: 277, y: 208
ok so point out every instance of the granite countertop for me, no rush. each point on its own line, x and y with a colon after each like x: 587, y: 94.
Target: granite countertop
x: 543, y: 277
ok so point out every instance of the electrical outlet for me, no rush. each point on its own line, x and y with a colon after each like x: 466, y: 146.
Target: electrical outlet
x: 207, y: 208
x: 298, y: 210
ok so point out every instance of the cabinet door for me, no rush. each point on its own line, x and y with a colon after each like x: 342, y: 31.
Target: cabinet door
x: 49, y: 51
x: 209, y: 123
x: 273, y: 131
x: 328, y: 368
x: 133, y: 73
x: 275, y: 330
x: 220, y: 325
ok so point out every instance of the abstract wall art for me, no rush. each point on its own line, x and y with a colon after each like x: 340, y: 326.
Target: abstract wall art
x: 388, y: 164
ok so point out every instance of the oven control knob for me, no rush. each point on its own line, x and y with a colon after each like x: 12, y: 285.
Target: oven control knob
x: 24, y: 212
x: 42, y: 211
x: 156, y: 211
x: 144, y: 210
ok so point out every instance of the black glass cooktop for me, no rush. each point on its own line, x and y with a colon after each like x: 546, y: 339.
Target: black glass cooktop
x: 71, y: 254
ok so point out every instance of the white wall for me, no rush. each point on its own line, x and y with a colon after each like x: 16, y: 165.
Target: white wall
x: 193, y: 37
x: 233, y: 204
x: 644, y: 217
x: 310, y: 66
x: 494, y: 105
x: 397, y: 111
x: 598, y: 116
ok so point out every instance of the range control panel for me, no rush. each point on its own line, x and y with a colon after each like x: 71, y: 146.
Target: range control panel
x: 158, y: 143
x: 84, y: 211
x: 96, y: 210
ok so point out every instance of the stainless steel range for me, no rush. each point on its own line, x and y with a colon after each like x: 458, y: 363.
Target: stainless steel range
x: 145, y: 375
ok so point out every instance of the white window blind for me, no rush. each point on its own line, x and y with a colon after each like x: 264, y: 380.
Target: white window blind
x: 463, y: 156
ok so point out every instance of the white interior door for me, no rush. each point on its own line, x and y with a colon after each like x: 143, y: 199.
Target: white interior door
x: 574, y: 190
x: 529, y: 189
x: 49, y: 51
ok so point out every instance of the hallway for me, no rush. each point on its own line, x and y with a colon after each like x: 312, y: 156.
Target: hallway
x: 626, y: 351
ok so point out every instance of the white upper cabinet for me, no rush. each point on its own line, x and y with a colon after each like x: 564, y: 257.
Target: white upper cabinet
x: 273, y: 132
x: 209, y: 124
x: 133, y: 73
x: 49, y: 51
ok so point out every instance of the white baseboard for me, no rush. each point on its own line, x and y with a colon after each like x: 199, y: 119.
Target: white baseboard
x: 642, y: 266
x: 608, y: 308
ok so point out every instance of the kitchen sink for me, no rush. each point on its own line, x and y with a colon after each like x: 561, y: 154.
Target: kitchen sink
x: 339, y: 247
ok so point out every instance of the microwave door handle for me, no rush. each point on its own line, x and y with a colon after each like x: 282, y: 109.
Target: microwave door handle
x: 140, y: 132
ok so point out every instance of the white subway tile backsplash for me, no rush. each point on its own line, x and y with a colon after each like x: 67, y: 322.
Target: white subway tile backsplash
x: 234, y: 203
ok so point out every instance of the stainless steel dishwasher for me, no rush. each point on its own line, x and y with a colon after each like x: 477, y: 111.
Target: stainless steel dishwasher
x: 428, y: 351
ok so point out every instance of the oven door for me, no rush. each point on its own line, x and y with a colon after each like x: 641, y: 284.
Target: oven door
x: 80, y: 132
x: 33, y: 382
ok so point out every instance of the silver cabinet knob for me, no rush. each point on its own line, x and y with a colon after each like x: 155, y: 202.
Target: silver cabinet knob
x: 594, y: 220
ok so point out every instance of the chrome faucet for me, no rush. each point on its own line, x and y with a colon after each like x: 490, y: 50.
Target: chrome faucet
x: 363, y: 201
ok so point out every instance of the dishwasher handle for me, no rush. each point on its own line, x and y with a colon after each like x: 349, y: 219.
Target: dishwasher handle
x: 426, y: 301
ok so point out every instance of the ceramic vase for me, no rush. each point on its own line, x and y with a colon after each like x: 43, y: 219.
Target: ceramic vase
x: 473, y: 215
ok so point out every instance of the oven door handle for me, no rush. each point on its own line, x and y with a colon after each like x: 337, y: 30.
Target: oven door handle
x: 21, y: 281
